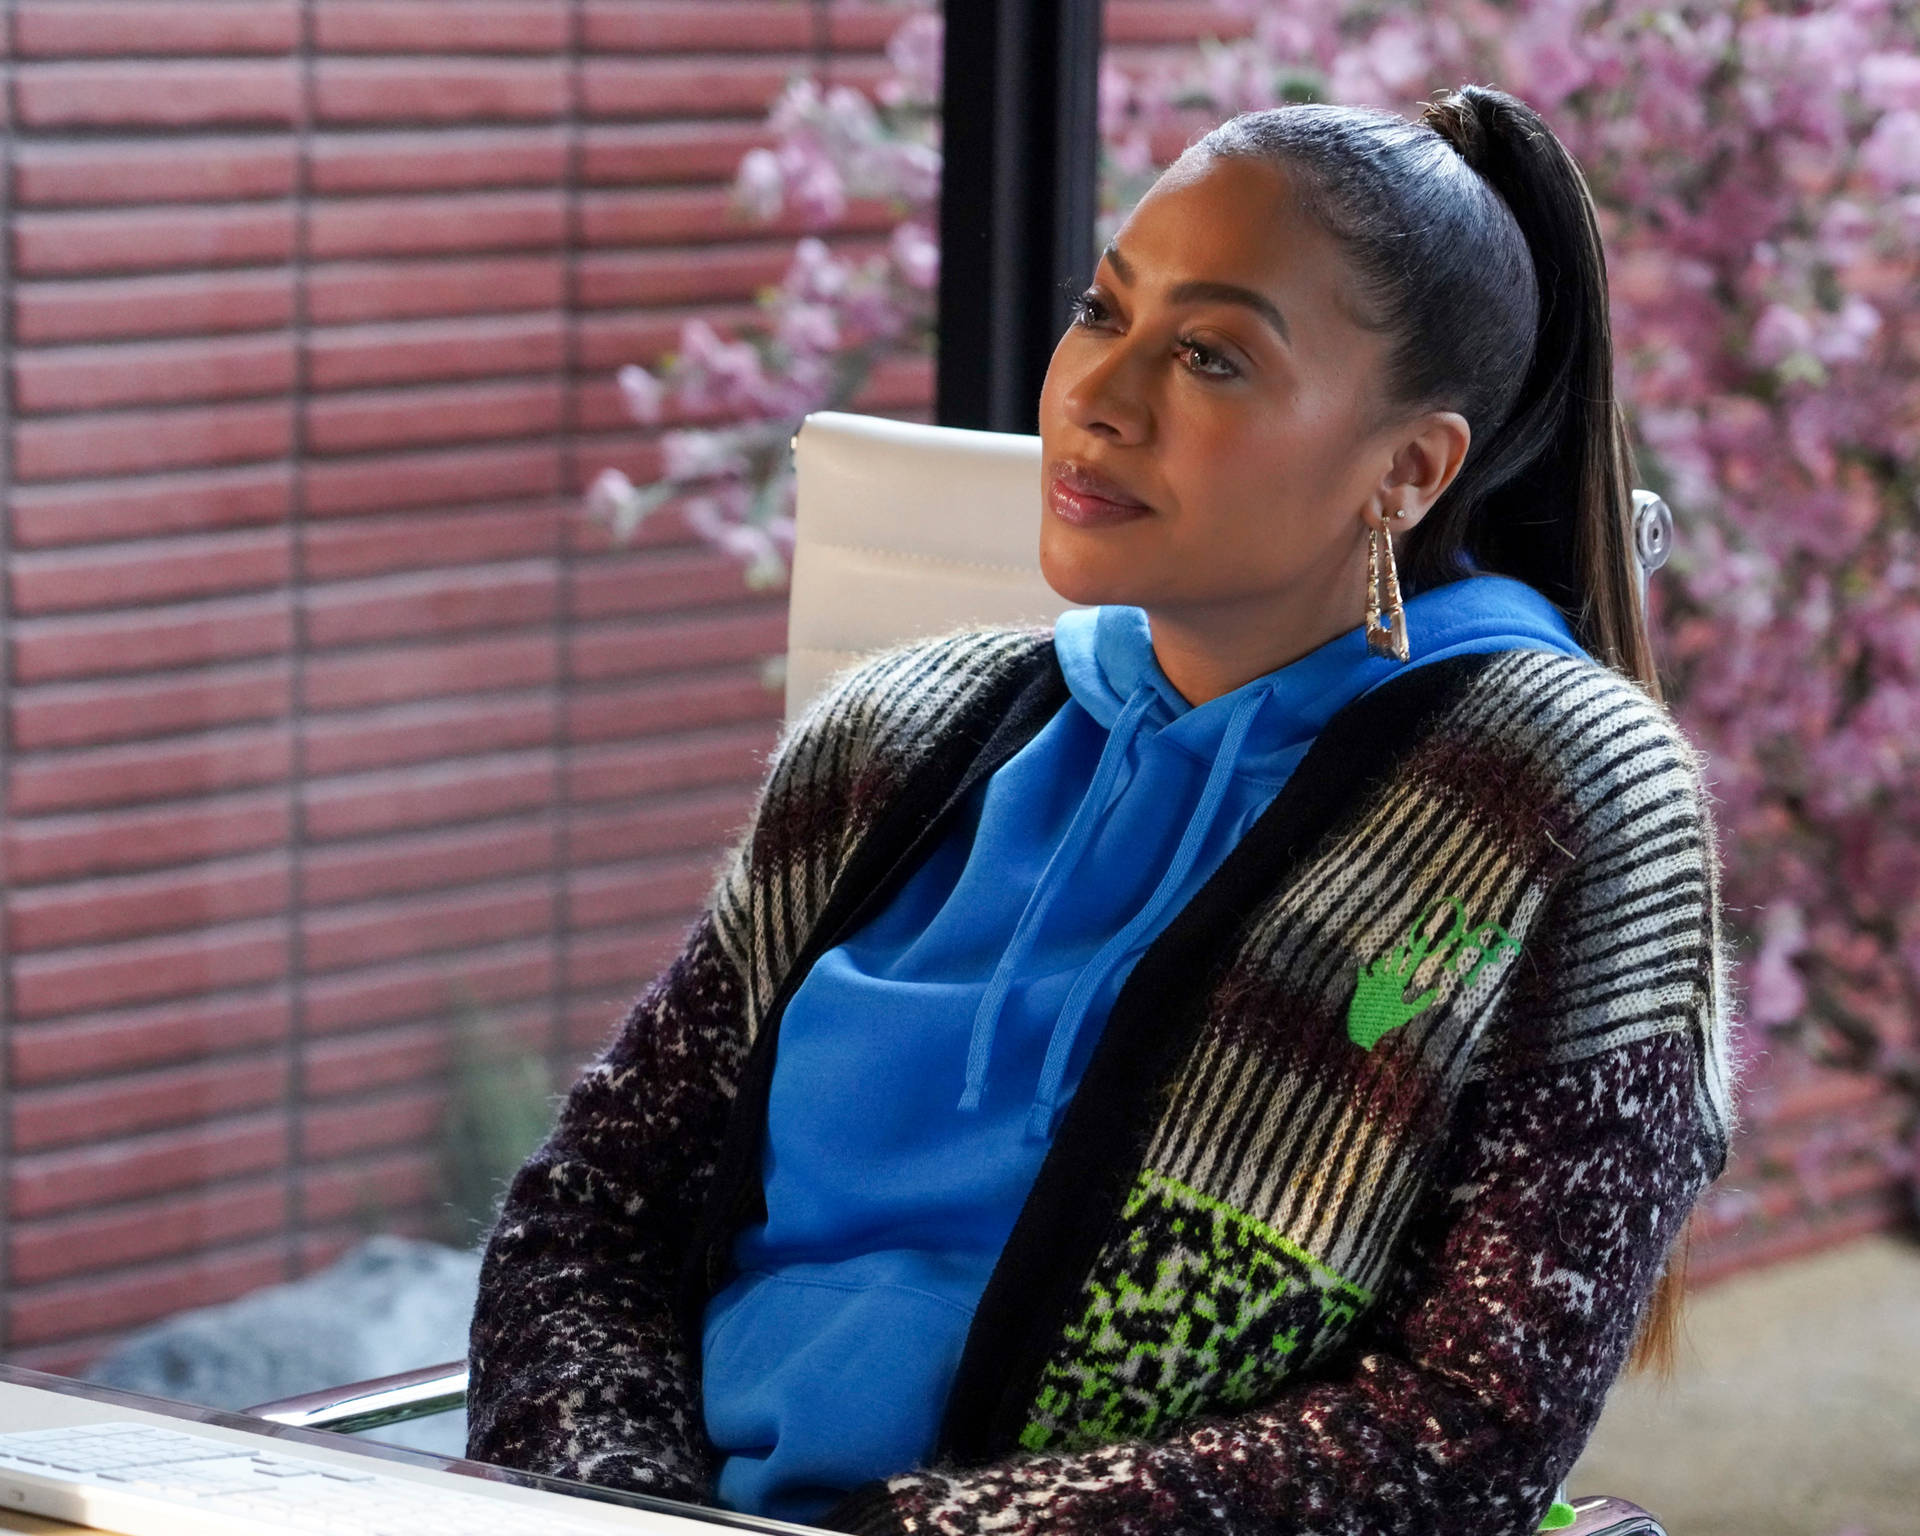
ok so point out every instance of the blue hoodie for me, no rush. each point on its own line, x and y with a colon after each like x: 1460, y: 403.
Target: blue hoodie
x: 923, y: 1063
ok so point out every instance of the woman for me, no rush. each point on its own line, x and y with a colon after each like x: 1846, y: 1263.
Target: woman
x: 1243, y: 1057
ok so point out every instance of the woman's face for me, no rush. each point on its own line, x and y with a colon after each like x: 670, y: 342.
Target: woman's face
x: 1210, y: 425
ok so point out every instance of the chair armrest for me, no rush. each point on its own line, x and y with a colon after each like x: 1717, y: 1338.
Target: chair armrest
x: 373, y: 1404
x: 435, y: 1389
x: 1611, y: 1517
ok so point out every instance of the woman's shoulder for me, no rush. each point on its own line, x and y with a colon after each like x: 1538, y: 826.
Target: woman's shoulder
x: 905, y: 699
x: 1575, y: 753
x: 1595, y: 743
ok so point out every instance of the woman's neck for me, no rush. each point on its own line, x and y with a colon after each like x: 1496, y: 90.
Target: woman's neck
x: 1211, y: 649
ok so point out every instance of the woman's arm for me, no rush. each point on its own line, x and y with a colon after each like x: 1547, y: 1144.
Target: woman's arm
x: 579, y: 1367
x: 1482, y: 1377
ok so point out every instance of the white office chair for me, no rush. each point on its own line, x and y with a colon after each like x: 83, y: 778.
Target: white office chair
x: 906, y: 531
x: 903, y: 531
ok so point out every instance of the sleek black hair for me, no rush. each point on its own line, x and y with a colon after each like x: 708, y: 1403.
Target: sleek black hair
x: 1475, y: 249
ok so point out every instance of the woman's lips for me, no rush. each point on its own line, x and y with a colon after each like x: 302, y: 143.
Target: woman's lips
x: 1077, y: 495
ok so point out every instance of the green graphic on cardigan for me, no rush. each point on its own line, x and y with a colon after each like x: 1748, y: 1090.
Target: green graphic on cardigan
x: 1194, y: 1308
x: 1380, y: 1002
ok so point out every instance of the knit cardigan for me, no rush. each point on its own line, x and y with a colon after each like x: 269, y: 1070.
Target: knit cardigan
x: 1349, y: 1223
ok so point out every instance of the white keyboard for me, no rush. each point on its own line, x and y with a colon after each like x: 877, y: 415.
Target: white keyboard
x: 143, y: 1480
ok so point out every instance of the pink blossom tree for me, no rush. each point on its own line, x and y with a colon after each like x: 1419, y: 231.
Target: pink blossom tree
x: 822, y: 328
x: 1757, y: 167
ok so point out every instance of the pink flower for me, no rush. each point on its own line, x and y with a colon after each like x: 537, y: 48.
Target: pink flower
x: 808, y: 328
x: 916, y: 254
x: 1905, y: 213
x: 1132, y: 153
x: 1289, y: 35
x: 759, y: 186
x: 870, y: 314
x: 914, y: 51
x: 1116, y: 99
x: 720, y: 521
x: 797, y: 105
x: 693, y: 455
x: 817, y: 189
x: 1891, y: 81
x: 1798, y: 68
x: 815, y: 274
x: 1845, y: 336
x: 1891, y: 153
x: 847, y: 117
x: 716, y: 372
x: 919, y: 168
x: 1778, y: 334
x: 1388, y: 68
x: 1845, y: 232
x: 1776, y: 994
x: 641, y: 392
x: 610, y: 493
x: 1549, y: 48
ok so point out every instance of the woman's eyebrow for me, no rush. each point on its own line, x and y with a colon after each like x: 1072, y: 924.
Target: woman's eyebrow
x: 1199, y: 289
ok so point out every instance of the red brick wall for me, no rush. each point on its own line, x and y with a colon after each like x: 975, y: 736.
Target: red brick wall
x: 322, y: 701
x: 324, y: 707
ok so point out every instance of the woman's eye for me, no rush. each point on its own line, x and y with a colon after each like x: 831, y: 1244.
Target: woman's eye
x: 1206, y: 362
x: 1087, y: 309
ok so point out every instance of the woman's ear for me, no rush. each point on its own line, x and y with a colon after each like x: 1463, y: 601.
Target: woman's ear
x: 1423, y: 466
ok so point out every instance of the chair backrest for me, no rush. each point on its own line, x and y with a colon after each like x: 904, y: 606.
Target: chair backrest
x: 905, y: 530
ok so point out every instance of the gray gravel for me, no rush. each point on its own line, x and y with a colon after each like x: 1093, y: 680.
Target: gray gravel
x: 1794, y: 1410
x: 391, y: 1304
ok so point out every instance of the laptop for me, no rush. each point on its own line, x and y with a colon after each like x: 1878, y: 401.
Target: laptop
x: 145, y: 1466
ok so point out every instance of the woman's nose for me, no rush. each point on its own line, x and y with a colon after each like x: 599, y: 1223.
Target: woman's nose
x: 1106, y: 394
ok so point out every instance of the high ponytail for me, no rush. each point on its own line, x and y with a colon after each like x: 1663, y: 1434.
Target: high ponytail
x: 1474, y: 248
x: 1552, y: 500
x: 1564, y: 450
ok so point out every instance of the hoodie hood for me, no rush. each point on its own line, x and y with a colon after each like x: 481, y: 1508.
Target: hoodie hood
x: 1250, y: 739
x: 1106, y: 655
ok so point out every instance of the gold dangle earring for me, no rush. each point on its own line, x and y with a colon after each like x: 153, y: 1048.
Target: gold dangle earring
x: 1388, y: 638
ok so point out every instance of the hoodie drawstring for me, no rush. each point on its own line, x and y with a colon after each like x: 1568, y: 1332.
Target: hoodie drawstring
x: 1094, y: 974
x: 1093, y: 806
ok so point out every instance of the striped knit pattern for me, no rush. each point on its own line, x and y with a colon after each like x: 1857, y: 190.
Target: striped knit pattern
x: 1402, y: 1195
x: 1556, y: 802
x: 839, y: 763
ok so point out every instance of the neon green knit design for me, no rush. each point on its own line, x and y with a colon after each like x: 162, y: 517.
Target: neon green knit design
x: 1194, y: 1308
x: 1380, y: 1002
